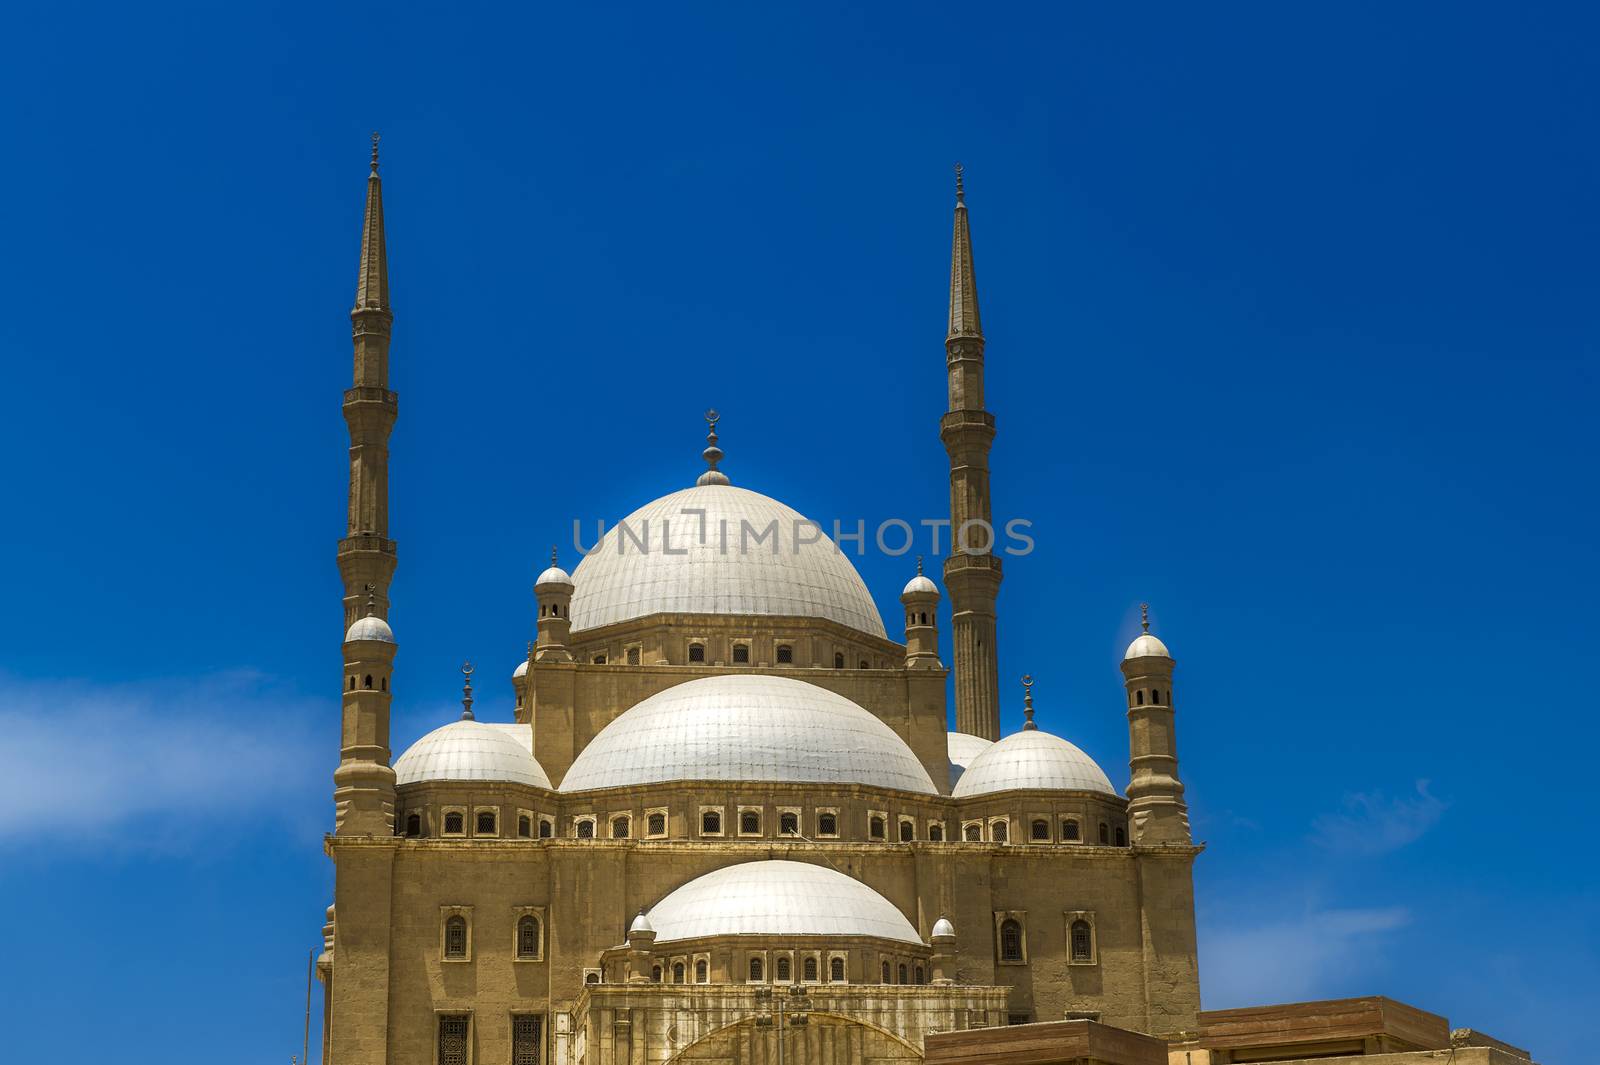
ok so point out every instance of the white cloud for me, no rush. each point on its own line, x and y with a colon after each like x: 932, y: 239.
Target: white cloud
x: 1313, y: 955
x: 1373, y: 823
x: 83, y: 761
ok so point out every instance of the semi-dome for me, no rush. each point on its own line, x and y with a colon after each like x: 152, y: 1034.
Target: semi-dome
x: 1146, y: 646
x: 749, y: 729
x: 1032, y: 760
x: 727, y: 570
x: 471, y: 750
x: 777, y: 898
x: 369, y: 628
x: 961, y: 748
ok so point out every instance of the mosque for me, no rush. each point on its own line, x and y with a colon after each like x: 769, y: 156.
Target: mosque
x: 730, y: 820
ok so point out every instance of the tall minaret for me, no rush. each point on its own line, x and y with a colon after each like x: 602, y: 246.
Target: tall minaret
x: 366, y: 554
x: 972, y: 570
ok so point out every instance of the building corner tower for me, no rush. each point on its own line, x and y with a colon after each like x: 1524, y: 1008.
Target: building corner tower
x: 972, y: 570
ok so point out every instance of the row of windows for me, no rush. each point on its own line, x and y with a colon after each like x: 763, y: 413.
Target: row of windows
x: 455, y: 939
x: 1011, y: 944
x: 455, y: 1039
x: 486, y: 823
x: 784, y: 654
x: 1137, y: 698
x: 366, y: 683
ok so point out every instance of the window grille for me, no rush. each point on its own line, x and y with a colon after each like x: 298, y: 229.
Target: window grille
x: 741, y: 654
x: 808, y: 970
x: 886, y: 978
x: 1082, y: 941
x: 619, y: 828
x: 973, y: 833
x: 936, y: 832
x: 1069, y: 830
x: 877, y: 828
x: 528, y: 937
x: 585, y: 830
x: 697, y: 652
x: 658, y: 824
x: 455, y: 822
x: 526, y: 1043
x: 453, y: 1040
x: 908, y: 832
x: 702, y: 972
x: 836, y: 969
x: 1041, y: 830
x: 789, y: 824
x: 784, y: 969
x: 828, y: 824
x: 997, y: 832
x: 633, y: 656
x: 524, y: 826
x: 455, y: 937
x: 785, y: 654
x: 486, y: 822
x: 710, y: 822
x: 749, y: 822
x: 902, y: 973
x: 755, y: 969
x: 1010, y: 940
x: 413, y: 825
x: 677, y: 972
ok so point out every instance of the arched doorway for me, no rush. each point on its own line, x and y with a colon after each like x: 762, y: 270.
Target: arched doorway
x: 822, y: 1040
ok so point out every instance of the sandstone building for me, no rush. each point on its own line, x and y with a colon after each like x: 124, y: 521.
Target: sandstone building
x: 730, y: 820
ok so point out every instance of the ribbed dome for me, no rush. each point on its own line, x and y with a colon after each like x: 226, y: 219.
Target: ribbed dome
x: 1146, y: 646
x: 961, y: 749
x: 552, y: 575
x: 747, y: 728
x: 1033, y: 760
x: 617, y: 582
x: 778, y: 899
x: 471, y: 750
x: 369, y: 628
x: 919, y: 585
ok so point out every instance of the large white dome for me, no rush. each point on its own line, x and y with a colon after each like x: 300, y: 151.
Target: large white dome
x: 618, y: 581
x: 778, y: 899
x: 472, y: 750
x: 747, y: 728
x: 1033, y: 760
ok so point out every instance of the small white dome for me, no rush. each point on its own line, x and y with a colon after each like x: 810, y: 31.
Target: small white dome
x: 552, y: 575
x: 521, y: 670
x: 943, y: 927
x: 778, y: 898
x: 1032, y: 760
x: 919, y: 585
x: 370, y: 628
x: 1146, y: 646
x: 747, y: 728
x: 961, y: 749
x: 471, y: 750
x: 641, y: 923
x: 689, y: 567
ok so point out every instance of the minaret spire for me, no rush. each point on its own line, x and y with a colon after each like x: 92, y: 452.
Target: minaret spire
x: 972, y: 571
x: 366, y: 554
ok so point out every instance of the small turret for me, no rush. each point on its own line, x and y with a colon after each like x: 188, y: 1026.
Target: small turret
x: 641, y: 939
x: 363, y: 785
x: 943, y: 939
x: 553, y: 588
x: 921, y: 600
x: 1156, y: 808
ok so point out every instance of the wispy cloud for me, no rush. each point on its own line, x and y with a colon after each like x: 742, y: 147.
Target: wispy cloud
x: 1313, y: 955
x: 1374, y: 823
x: 82, y: 760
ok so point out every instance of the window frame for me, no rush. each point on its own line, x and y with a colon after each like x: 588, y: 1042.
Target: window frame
x: 1072, y: 917
x: 626, y: 817
x: 666, y: 822
x: 751, y: 811
x: 966, y: 826
x: 1001, y: 919
x: 444, y: 822
x: 789, y: 811
x: 906, y: 821
x: 479, y: 812
x: 539, y: 1039
x: 722, y: 822
x: 446, y: 915
x: 934, y: 827
x: 843, y: 968
x: 1004, y: 823
x: 533, y: 824
x: 518, y: 914
x: 880, y: 817
x: 440, y: 1015
x: 828, y: 811
x: 585, y: 819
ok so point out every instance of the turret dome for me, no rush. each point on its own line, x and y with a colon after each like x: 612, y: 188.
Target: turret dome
x: 1032, y: 760
x: 369, y: 628
x: 919, y: 585
x: 470, y: 751
x: 1146, y: 646
x: 747, y: 728
x: 552, y: 575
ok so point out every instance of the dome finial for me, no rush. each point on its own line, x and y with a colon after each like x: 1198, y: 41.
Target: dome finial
x: 1144, y: 616
x: 466, y: 692
x: 1027, y: 703
x: 375, y: 139
x: 553, y: 554
x: 919, y: 565
x: 712, y: 454
x: 372, y: 601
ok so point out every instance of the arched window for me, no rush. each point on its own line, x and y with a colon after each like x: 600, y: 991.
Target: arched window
x: 755, y: 969
x: 368, y: 682
x: 352, y: 684
x: 836, y: 969
x: 697, y: 652
x: 543, y: 610
x: 886, y: 978
x: 908, y: 831
x: 785, y: 654
x: 702, y: 972
x: 455, y: 937
x: 808, y: 970
x: 936, y: 832
x: 749, y: 822
x: 1069, y: 829
x: 998, y: 831
x: 973, y: 833
x: 783, y: 970
x: 924, y: 617
x: 528, y: 937
x: 1122, y: 836
x: 902, y: 973
x: 655, y: 973
x: 486, y: 822
x: 1010, y: 940
x: 863, y: 665
x: 838, y: 660
x: 1041, y: 830
x: 677, y: 972
x: 524, y: 826
x: 546, y: 829
x: 789, y: 824
x: 1082, y: 941
x: 619, y: 828
x: 657, y: 825
x: 1155, y: 696
x: 741, y: 654
x: 922, y: 976
x: 413, y: 825
x: 710, y: 823
x: 591, y: 978
x: 383, y: 684
x: 876, y: 828
x: 828, y: 824
x: 1138, y: 697
x: 585, y: 829
x: 1105, y: 833
x: 455, y: 823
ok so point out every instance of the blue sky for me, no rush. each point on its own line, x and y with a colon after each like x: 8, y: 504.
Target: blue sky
x: 1291, y: 333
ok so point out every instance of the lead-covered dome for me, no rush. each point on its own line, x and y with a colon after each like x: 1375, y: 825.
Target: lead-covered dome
x: 1032, y: 760
x: 778, y: 898
x: 747, y: 728
x: 961, y: 748
x: 472, y: 750
x: 779, y: 575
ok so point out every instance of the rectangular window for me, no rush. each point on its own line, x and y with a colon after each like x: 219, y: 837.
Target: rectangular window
x: 741, y: 654
x: 453, y: 1039
x: 526, y: 1042
x: 633, y: 656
